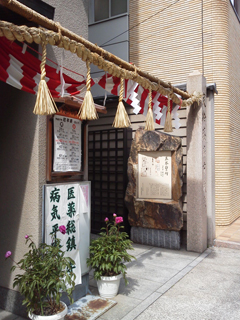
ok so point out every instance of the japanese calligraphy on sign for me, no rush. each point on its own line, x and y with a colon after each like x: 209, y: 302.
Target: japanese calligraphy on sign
x: 62, y: 207
x: 155, y: 175
x: 67, y: 144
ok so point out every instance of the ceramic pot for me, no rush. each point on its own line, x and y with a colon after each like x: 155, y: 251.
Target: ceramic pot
x: 108, y: 286
x: 57, y: 316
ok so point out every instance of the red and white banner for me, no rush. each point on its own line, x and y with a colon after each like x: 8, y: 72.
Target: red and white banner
x: 138, y: 97
x: 21, y: 69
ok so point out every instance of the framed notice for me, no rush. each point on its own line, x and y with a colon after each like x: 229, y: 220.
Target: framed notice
x: 67, y: 144
x: 155, y: 175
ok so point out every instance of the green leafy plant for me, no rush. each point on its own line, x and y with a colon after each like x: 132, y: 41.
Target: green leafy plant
x: 46, y: 273
x: 108, y: 252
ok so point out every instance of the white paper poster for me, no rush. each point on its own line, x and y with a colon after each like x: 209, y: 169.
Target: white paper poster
x: 67, y: 144
x: 155, y: 175
x: 62, y: 207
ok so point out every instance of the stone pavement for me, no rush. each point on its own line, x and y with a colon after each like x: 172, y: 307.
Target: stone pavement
x: 154, y: 272
x: 211, y: 291
x: 176, y: 285
x: 5, y: 315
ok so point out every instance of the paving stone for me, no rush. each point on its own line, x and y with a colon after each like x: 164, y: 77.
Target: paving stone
x: 142, y: 306
x: 147, y: 271
x: 124, y: 306
x: 175, y: 253
x: 139, y: 249
x: 170, y: 283
x: 181, y: 307
x: 5, y: 315
x: 163, y: 261
x: 138, y: 288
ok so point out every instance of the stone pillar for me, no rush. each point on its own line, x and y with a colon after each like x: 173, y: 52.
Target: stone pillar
x: 196, y: 167
x: 210, y: 167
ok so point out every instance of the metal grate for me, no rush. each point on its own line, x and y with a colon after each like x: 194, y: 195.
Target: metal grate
x: 108, y: 152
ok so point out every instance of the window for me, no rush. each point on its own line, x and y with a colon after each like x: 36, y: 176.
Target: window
x: 105, y: 9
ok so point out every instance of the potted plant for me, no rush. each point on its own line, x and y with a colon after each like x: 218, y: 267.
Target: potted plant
x: 107, y: 255
x: 45, y: 274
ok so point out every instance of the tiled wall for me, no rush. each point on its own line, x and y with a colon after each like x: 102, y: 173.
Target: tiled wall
x: 198, y: 35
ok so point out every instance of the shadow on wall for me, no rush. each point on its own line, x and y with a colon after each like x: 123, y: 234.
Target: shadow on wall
x: 17, y: 132
x: 191, y: 119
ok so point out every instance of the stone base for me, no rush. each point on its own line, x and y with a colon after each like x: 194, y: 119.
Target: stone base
x: 155, y: 237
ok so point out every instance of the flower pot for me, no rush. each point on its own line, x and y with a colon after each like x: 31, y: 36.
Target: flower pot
x: 57, y: 316
x: 108, y: 286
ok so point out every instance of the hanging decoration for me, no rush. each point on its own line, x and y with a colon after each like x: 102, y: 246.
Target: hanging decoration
x: 88, y: 51
x: 21, y: 70
x: 106, y: 62
x: 168, y: 122
x: 87, y: 110
x: 138, y: 97
x: 45, y: 105
x: 149, y: 121
x: 121, y: 119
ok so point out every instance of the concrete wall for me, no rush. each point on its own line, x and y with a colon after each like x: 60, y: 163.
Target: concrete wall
x: 73, y: 15
x: 23, y: 156
x: 22, y: 166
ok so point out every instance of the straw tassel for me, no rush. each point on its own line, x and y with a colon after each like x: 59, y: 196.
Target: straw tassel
x: 121, y: 119
x: 149, y: 120
x: 87, y: 110
x: 45, y: 104
x: 168, y: 121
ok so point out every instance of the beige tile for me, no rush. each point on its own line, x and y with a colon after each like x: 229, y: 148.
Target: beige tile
x: 236, y: 239
x: 222, y: 238
x: 219, y: 230
x: 235, y: 227
x: 226, y: 234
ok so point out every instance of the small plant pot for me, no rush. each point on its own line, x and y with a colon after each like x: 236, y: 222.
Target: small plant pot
x: 108, y: 286
x: 57, y: 316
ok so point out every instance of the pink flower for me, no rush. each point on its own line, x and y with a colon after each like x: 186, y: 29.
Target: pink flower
x: 8, y: 254
x: 119, y: 219
x: 62, y: 229
x: 114, y: 215
x: 26, y: 236
x: 106, y: 219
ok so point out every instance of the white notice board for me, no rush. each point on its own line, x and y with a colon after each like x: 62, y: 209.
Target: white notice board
x: 67, y: 144
x: 155, y: 175
x: 69, y: 204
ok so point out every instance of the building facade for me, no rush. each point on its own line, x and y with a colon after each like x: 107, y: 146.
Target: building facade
x: 24, y: 149
x: 170, y: 41
x: 204, y: 36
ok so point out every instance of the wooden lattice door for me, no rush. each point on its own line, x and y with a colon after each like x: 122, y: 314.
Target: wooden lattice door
x: 108, y: 153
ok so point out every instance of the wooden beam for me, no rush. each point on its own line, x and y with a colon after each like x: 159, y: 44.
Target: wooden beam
x: 76, y: 103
